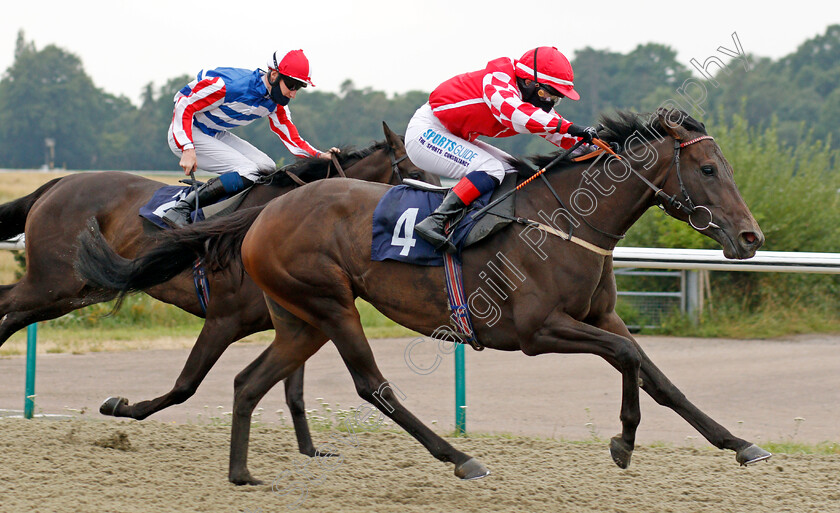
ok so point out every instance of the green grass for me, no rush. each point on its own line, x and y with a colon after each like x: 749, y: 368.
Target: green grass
x: 377, y: 325
x: 823, y: 448
x: 145, y: 323
x: 731, y: 319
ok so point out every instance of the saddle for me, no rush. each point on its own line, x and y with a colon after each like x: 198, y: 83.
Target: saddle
x: 493, y: 220
x: 167, y: 196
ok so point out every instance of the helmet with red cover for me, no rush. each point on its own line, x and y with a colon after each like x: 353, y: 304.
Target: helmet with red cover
x: 294, y: 65
x: 548, y: 67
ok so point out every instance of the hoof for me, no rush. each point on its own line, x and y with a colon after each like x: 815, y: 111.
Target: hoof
x: 471, y: 469
x: 244, y: 479
x: 111, y: 405
x: 751, y: 454
x: 620, y: 451
x: 316, y: 454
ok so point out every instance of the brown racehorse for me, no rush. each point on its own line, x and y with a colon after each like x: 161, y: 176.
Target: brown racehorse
x: 564, y: 296
x: 57, y: 212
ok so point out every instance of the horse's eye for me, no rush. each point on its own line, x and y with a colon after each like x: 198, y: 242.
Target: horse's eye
x: 708, y: 170
x: 414, y: 176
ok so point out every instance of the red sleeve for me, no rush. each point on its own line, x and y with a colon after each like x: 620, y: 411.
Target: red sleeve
x: 205, y: 95
x: 506, y: 105
x: 281, y: 124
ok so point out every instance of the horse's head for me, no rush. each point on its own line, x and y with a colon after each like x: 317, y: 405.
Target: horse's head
x: 384, y: 162
x: 401, y: 165
x: 702, y: 182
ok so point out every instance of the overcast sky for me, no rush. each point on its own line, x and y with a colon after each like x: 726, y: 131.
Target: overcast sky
x: 393, y: 45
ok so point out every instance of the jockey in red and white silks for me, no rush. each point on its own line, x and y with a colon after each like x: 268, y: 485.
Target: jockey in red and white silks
x: 225, y: 98
x: 506, y: 98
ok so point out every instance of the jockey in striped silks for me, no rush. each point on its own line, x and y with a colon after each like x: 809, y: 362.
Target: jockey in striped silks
x: 225, y: 98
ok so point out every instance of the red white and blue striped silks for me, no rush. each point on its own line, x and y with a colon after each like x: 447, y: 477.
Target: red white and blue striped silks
x: 224, y: 98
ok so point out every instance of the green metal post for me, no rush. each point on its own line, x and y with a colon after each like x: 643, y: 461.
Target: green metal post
x: 460, y: 392
x: 29, y: 401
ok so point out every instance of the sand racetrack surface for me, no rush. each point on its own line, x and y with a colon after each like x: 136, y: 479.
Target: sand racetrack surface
x: 176, y: 461
x: 93, y: 466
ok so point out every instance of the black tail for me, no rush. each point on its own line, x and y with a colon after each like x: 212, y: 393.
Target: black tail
x: 217, y: 242
x: 13, y: 214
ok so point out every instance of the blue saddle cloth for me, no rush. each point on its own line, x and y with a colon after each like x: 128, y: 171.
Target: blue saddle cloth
x: 394, y: 218
x: 162, y: 200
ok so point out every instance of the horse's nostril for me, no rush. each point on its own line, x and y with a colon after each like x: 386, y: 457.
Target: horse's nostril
x: 749, y: 238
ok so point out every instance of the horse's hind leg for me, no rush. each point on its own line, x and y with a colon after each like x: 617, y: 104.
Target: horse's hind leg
x: 294, y: 342
x: 660, y: 388
x: 347, y: 334
x: 48, y: 290
x: 294, y: 399
x: 21, y: 313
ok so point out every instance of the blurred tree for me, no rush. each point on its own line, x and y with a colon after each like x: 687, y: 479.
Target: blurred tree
x: 46, y: 94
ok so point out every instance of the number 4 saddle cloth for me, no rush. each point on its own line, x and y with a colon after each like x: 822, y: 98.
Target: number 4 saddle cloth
x: 403, y: 206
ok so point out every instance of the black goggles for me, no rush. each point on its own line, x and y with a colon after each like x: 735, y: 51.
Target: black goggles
x: 292, y: 83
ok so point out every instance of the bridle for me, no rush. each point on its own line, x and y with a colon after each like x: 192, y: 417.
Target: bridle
x: 395, y: 163
x: 661, y: 197
x: 687, y: 205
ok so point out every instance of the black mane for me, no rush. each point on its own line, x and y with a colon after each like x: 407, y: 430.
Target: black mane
x: 618, y: 128
x: 313, y: 168
x: 622, y: 125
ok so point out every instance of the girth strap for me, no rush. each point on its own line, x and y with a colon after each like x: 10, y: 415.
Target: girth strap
x: 202, y: 286
x: 458, y: 301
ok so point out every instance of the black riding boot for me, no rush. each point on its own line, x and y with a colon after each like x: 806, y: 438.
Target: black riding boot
x: 209, y: 193
x: 431, y: 228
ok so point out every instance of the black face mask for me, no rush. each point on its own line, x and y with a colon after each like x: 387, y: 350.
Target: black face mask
x: 542, y: 104
x: 276, y: 93
x: 530, y: 95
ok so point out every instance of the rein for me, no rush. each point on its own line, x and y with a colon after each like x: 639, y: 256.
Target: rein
x: 337, y: 164
x: 662, y: 198
x: 333, y: 162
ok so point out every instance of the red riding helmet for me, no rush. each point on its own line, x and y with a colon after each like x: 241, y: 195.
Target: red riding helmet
x: 294, y: 64
x: 553, y: 69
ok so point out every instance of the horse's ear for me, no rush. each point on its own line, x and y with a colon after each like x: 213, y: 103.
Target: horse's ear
x: 671, y: 121
x: 393, y: 139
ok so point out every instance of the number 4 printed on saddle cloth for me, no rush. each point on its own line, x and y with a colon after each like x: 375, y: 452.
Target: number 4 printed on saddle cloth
x: 405, y: 224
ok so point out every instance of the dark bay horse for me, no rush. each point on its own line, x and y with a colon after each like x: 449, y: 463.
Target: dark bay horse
x: 561, y: 295
x: 55, y: 214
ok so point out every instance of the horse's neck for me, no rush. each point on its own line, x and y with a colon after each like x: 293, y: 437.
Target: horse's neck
x: 263, y: 193
x: 619, y: 201
x: 373, y: 168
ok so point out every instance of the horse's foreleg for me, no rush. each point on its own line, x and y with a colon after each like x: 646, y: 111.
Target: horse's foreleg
x: 660, y: 388
x: 216, y: 335
x: 563, y: 334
